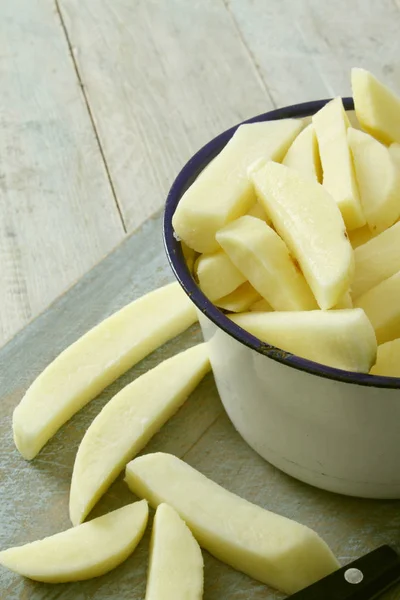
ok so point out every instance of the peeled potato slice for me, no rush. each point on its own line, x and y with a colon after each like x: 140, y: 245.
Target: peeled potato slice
x: 240, y: 299
x: 343, y: 339
x: 376, y: 260
x: 217, y: 275
x: 377, y: 107
x: 95, y: 360
x: 127, y: 422
x: 388, y: 360
x: 223, y: 192
x: 382, y: 306
x: 331, y: 123
x: 378, y: 179
x: 261, y: 255
x: 309, y: 221
x: 345, y: 301
x: 264, y: 545
x: 176, y: 562
x: 83, y: 552
x: 303, y: 155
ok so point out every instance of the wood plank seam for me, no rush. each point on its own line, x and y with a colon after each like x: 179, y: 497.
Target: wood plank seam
x: 90, y: 113
x: 249, y: 52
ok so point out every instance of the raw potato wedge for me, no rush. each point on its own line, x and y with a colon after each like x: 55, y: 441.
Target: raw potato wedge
x: 377, y: 107
x: 309, y: 221
x: 217, y: 275
x: 128, y: 422
x: 189, y: 255
x: 360, y: 236
x: 83, y: 552
x: 343, y: 339
x: 263, y: 258
x: 264, y: 545
x: 261, y: 306
x: 382, y: 306
x: 394, y: 150
x: 303, y: 155
x: 376, y: 260
x: 223, y: 192
x: 388, y: 360
x: 331, y: 123
x: 95, y: 360
x: 176, y: 563
x: 239, y: 300
x: 378, y: 179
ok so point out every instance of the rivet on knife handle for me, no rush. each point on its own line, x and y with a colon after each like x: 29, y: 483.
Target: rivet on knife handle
x: 364, y: 579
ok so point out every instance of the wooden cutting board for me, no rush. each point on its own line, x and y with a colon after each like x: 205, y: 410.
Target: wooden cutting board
x: 34, y: 496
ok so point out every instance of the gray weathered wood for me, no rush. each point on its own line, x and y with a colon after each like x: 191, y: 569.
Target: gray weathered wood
x: 306, y: 48
x: 34, y: 496
x: 57, y: 213
x: 162, y: 77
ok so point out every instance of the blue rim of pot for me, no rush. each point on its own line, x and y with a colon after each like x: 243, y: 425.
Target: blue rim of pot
x: 176, y: 259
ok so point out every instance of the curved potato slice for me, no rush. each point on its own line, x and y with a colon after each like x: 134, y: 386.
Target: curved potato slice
x: 240, y: 299
x: 264, y: 545
x: 176, y: 562
x: 309, y: 221
x: 344, y: 339
x: 217, y: 275
x: 83, y: 552
x: 331, y: 123
x: 127, y: 422
x: 303, y: 155
x: 95, y: 360
x: 264, y: 259
x: 378, y: 179
x: 377, y: 107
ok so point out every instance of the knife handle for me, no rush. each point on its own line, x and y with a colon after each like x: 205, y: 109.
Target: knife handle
x: 364, y: 579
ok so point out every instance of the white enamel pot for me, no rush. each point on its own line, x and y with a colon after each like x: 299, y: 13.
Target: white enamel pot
x: 333, y: 429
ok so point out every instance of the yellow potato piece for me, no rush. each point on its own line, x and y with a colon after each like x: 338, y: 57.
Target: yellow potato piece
x: 264, y: 545
x: 217, y: 275
x: 343, y: 339
x: 127, y: 422
x: 176, y: 563
x: 83, y: 552
x: 331, y: 123
x: 360, y: 236
x: 95, y: 360
x: 377, y: 107
x: 261, y: 306
x: 223, y: 192
x: 388, y: 360
x: 260, y: 254
x: 382, y: 306
x: 240, y: 299
x: 309, y: 221
x: 378, y: 180
x: 303, y: 155
x: 376, y: 260
x: 394, y: 150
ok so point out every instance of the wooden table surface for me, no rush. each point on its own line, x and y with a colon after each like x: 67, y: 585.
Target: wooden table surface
x: 102, y: 102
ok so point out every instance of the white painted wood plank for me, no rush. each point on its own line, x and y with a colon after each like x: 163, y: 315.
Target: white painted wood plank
x: 306, y: 48
x: 57, y: 213
x: 162, y: 77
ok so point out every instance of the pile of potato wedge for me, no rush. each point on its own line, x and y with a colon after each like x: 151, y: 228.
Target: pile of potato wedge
x: 294, y: 230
